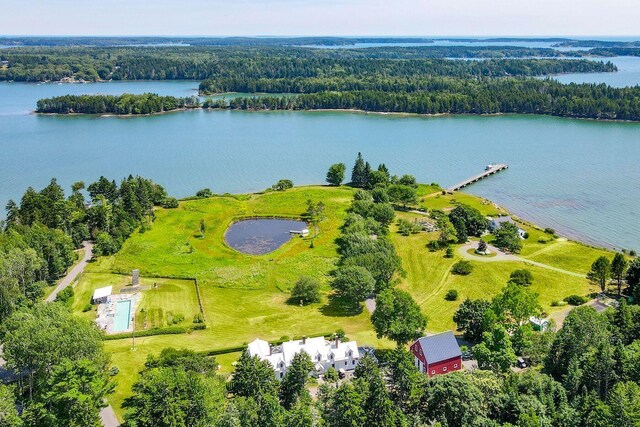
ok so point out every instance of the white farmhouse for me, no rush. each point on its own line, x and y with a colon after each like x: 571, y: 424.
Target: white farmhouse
x: 323, y: 353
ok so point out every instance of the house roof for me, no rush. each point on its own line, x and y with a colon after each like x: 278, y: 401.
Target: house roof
x: 437, y: 348
x: 102, y: 292
x: 500, y: 219
x: 318, y: 348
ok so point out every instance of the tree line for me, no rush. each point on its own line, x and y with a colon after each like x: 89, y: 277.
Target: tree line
x: 464, y: 96
x: 126, y: 104
x: 200, y: 63
x: 396, y: 76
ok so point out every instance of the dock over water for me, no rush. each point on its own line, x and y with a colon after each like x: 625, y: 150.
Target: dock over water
x: 491, y: 170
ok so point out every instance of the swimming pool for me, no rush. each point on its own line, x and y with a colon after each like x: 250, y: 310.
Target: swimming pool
x: 122, y: 317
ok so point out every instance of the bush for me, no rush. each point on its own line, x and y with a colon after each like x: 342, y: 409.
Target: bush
x: 556, y: 303
x: 306, y: 291
x: 87, y: 307
x: 176, y: 318
x: 205, y: 192
x: 407, y: 228
x: 65, y: 296
x: 169, y: 203
x: 632, y: 252
x: 575, y: 300
x: 452, y: 295
x: 198, y: 318
x: 550, y: 231
x: 521, y: 277
x: 449, y: 253
x: 283, y: 184
x: 462, y: 268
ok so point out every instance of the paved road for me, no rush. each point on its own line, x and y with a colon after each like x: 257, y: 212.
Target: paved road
x: 370, y: 303
x: 75, y: 271
x: 107, y: 415
x: 501, y: 256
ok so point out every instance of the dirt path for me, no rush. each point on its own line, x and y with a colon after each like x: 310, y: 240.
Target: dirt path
x: 75, y: 271
x: 501, y: 256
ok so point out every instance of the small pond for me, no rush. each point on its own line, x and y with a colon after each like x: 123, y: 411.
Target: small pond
x: 261, y: 236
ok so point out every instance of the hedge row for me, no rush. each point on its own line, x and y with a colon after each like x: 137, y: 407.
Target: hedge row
x: 170, y: 330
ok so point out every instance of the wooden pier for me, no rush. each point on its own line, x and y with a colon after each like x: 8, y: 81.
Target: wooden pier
x: 491, y: 170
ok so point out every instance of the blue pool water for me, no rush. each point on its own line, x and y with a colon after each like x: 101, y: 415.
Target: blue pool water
x: 122, y: 316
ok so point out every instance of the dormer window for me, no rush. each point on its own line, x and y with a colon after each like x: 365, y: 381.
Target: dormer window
x: 331, y: 356
x: 319, y: 358
x: 350, y: 353
x: 281, y: 365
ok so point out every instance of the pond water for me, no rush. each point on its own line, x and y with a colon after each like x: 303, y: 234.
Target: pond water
x: 261, y: 236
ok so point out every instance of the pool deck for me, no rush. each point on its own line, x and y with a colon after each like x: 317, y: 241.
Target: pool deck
x: 106, y: 314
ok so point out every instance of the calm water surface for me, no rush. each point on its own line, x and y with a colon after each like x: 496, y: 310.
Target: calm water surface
x: 261, y: 236
x: 577, y: 176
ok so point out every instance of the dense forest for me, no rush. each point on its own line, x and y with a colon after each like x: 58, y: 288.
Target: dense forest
x: 200, y: 63
x: 458, y: 96
x: 147, y: 103
x: 429, y: 96
x: 387, y: 75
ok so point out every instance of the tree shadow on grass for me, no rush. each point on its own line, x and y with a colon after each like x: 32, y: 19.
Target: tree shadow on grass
x: 340, y: 307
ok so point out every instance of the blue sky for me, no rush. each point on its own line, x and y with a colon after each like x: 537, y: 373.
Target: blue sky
x: 320, y: 17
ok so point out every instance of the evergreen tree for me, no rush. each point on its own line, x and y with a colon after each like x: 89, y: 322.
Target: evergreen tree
x: 359, y: 173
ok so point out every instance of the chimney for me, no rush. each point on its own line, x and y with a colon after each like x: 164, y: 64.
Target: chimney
x: 304, y: 340
x: 337, y: 342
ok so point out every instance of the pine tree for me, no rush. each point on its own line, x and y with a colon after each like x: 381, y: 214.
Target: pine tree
x: 359, y: 174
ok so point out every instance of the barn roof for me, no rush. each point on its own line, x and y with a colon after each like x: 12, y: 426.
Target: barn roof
x: 437, y: 348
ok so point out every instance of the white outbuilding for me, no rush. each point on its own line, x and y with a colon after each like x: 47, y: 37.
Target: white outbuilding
x: 101, y: 295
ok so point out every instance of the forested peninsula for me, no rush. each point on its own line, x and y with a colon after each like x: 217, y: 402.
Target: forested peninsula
x: 431, y: 96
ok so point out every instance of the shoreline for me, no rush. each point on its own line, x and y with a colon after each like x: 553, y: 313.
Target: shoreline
x: 343, y: 110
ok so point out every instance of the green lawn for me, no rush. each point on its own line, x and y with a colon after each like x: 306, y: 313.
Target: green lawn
x: 428, y: 278
x: 246, y: 296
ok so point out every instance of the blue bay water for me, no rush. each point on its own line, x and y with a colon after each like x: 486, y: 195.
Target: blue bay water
x: 577, y: 176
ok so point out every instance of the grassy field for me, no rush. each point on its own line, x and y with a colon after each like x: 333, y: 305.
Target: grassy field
x: 246, y: 296
x: 164, y: 301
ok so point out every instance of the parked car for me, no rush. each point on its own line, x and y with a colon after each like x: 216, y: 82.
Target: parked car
x: 467, y: 355
x: 521, y: 363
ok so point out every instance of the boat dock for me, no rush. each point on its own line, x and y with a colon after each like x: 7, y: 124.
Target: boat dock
x: 490, y: 170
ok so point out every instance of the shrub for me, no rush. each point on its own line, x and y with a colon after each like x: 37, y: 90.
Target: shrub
x: 550, y: 231
x: 575, y: 300
x: 525, y: 235
x: 448, y: 253
x: 205, y: 192
x: 198, y: 318
x: 283, y: 184
x: 306, y: 291
x: 407, y: 228
x: 632, y: 252
x: 521, y: 277
x: 462, y: 268
x: 169, y: 203
x: 556, y: 303
x: 87, y: 307
x: 176, y: 318
x: 452, y: 295
x: 65, y: 296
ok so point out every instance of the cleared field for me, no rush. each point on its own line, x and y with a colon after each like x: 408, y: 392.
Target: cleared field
x: 246, y: 296
x: 164, y: 301
x: 428, y: 279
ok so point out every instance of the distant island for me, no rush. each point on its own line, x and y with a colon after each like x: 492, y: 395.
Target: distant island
x: 432, y: 96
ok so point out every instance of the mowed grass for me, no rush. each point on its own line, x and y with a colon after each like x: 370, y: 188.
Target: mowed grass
x: 161, y: 302
x: 428, y: 278
x: 246, y: 296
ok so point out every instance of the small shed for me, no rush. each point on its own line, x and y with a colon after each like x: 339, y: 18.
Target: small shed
x: 101, y: 295
x: 539, y: 324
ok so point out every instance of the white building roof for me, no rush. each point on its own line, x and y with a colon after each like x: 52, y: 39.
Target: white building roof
x: 318, y: 348
x: 102, y: 292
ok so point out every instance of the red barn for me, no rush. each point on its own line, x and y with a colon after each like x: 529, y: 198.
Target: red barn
x: 437, y: 354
